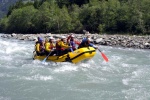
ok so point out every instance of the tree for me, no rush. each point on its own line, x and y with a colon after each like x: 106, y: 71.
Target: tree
x: 37, y: 3
x: 18, y: 4
x: 20, y: 21
x: 3, y: 24
x: 145, y: 6
x: 75, y: 22
x: 122, y: 19
x: 136, y: 21
x: 43, y: 18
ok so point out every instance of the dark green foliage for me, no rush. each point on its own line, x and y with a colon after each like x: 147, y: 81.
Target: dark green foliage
x: 37, y: 3
x: 19, y: 4
x: 4, y: 5
x: 63, y: 16
x: 79, y: 2
x: 21, y: 20
x: 67, y: 3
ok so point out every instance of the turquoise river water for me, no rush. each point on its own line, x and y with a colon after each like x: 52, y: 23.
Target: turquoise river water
x: 125, y: 77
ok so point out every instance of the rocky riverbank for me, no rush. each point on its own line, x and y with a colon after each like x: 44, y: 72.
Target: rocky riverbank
x: 127, y: 41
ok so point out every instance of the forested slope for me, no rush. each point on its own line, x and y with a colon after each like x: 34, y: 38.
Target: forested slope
x: 63, y: 16
x: 5, y: 4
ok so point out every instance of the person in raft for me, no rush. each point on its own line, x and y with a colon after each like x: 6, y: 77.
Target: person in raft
x: 62, y: 47
x: 39, y: 47
x: 86, y: 42
x: 72, y: 42
x: 50, y: 46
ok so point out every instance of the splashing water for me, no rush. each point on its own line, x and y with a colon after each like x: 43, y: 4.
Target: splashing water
x: 124, y: 77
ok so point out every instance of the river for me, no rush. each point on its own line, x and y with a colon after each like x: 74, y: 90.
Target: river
x: 125, y: 77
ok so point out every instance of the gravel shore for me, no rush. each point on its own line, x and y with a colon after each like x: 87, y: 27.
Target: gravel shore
x: 127, y: 41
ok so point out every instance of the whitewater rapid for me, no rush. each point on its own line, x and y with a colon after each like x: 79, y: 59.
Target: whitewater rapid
x: 124, y: 77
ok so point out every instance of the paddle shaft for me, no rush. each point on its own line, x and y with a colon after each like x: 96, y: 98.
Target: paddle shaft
x: 103, y: 55
x: 71, y: 48
x: 46, y: 57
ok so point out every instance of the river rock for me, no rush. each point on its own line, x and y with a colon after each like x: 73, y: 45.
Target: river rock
x: 141, y: 42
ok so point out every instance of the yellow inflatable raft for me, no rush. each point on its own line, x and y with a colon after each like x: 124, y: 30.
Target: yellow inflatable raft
x: 74, y: 57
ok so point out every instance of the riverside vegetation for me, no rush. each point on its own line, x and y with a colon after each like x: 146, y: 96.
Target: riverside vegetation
x: 64, y: 16
x: 97, y: 16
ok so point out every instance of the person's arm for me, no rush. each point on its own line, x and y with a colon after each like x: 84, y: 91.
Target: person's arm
x: 64, y: 45
x: 92, y: 45
x: 68, y: 39
x: 47, y: 47
x: 38, y: 47
x: 54, y: 46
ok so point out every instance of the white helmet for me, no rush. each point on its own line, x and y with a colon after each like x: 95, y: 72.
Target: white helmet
x: 63, y: 37
x: 51, y: 38
x: 89, y: 39
x: 72, y: 36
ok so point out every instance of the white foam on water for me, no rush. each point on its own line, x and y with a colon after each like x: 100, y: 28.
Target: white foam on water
x: 5, y: 98
x: 125, y: 76
x: 136, y: 94
x: 5, y: 75
x: 125, y: 81
x: 36, y: 62
x: 85, y: 65
x: 45, y: 63
x: 6, y: 58
x: 4, y: 43
x: 116, y: 58
x: 141, y: 73
x: 37, y: 77
x: 65, y: 68
x: 14, y: 49
x: 125, y: 65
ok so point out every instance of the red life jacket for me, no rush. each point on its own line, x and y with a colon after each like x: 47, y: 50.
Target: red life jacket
x: 58, y: 47
x: 51, y: 46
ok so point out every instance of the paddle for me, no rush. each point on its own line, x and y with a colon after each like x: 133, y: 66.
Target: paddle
x: 71, y: 48
x: 46, y: 57
x: 103, y: 55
